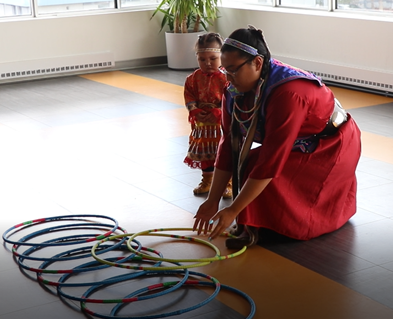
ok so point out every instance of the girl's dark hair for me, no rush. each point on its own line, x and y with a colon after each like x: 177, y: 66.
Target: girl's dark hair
x: 206, y: 40
x: 254, y: 38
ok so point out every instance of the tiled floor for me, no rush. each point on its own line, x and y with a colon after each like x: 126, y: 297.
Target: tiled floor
x: 113, y: 144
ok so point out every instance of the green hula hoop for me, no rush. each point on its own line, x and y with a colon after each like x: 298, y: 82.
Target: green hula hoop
x: 125, y: 266
x: 152, y: 232
x: 198, y: 262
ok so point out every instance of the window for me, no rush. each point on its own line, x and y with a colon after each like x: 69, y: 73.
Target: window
x: 137, y: 3
x: 366, y: 5
x: 384, y: 6
x: 9, y: 8
x: 53, y: 6
x: 315, y: 4
x: 260, y: 2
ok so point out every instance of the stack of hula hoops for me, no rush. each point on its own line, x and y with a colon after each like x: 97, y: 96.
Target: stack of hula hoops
x: 95, y: 266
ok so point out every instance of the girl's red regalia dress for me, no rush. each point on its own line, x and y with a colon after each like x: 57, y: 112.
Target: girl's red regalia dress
x: 310, y: 194
x: 203, y: 92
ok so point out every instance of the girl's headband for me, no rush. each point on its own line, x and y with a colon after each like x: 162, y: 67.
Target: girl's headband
x: 216, y: 50
x: 241, y: 46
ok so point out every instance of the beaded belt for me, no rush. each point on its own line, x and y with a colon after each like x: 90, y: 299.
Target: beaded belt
x: 308, y: 144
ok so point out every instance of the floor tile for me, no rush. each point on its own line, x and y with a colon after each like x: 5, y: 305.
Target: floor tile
x: 27, y: 292
x: 367, y: 180
x: 371, y: 241
x: 163, y: 73
x: 167, y: 189
x: 363, y: 216
x: 377, y: 168
x: 375, y: 119
x: 45, y: 311
x: 377, y: 199
x: 374, y: 282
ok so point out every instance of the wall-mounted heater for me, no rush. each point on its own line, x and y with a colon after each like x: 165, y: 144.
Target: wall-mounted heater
x: 366, y: 80
x: 24, y: 70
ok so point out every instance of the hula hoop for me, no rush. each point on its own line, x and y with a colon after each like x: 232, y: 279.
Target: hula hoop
x: 109, y: 281
x: 7, y: 234
x: 197, y: 264
x: 58, y: 257
x: 152, y: 232
x: 130, y: 298
x: 114, y: 280
x: 89, y: 267
x: 200, y: 283
x: 54, y: 242
x: 237, y: 291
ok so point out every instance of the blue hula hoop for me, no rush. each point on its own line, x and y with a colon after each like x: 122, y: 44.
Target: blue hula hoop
x: 8, y: 233
x: 131, y: 298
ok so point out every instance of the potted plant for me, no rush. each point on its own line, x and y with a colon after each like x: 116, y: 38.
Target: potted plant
x: 186, y: 20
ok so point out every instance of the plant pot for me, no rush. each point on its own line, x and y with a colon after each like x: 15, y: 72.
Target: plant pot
x: 180, y: 50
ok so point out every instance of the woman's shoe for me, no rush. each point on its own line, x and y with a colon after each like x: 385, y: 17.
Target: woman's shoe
x: 250, y: 238
x: 236, y: 230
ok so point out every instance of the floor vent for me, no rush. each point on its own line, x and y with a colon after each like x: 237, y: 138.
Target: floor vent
x: 58, y: 69
x: 362, y: 79
x: 19, y: 70
x: 353, y: 81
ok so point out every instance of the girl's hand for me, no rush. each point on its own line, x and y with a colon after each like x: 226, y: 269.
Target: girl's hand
x: 201, y: 117
x: 210, y: 118
x: 202, y: 218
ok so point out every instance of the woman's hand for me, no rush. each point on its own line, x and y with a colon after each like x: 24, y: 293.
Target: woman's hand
x: 202, y: 218
x: 224, y: 219
x: 251, y: 189
x: 209, y: 208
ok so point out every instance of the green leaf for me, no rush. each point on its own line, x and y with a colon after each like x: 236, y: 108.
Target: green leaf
x: 174, y: 12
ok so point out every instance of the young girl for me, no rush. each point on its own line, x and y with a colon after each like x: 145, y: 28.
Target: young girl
x: 203, y: 92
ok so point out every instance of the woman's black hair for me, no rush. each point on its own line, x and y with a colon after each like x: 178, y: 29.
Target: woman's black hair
x: 205, y: 40
x: 254, y: 38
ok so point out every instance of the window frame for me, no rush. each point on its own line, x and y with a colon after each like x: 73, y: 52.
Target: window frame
x: 332, y: 7
x: 34, y: 10
x: 236, y: 4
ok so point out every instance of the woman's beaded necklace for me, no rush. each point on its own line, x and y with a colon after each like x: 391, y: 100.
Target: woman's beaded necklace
x: 254, y: 109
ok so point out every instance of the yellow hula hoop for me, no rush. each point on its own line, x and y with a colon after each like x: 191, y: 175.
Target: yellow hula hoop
x: 199, y: 262
x: 125, y: 266
x: 152, y: 232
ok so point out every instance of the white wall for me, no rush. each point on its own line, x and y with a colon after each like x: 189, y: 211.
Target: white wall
x: 129, y: 35
x: 324, y: 37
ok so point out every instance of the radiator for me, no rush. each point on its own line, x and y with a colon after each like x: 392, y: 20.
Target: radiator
x: 373, y: 81
x: 23, y: 70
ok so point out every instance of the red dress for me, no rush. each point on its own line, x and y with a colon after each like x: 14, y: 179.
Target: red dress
x: 203, y: 92
x: 310, y: 194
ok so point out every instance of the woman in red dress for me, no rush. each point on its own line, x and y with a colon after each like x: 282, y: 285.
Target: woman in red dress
x: 291, y: 148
